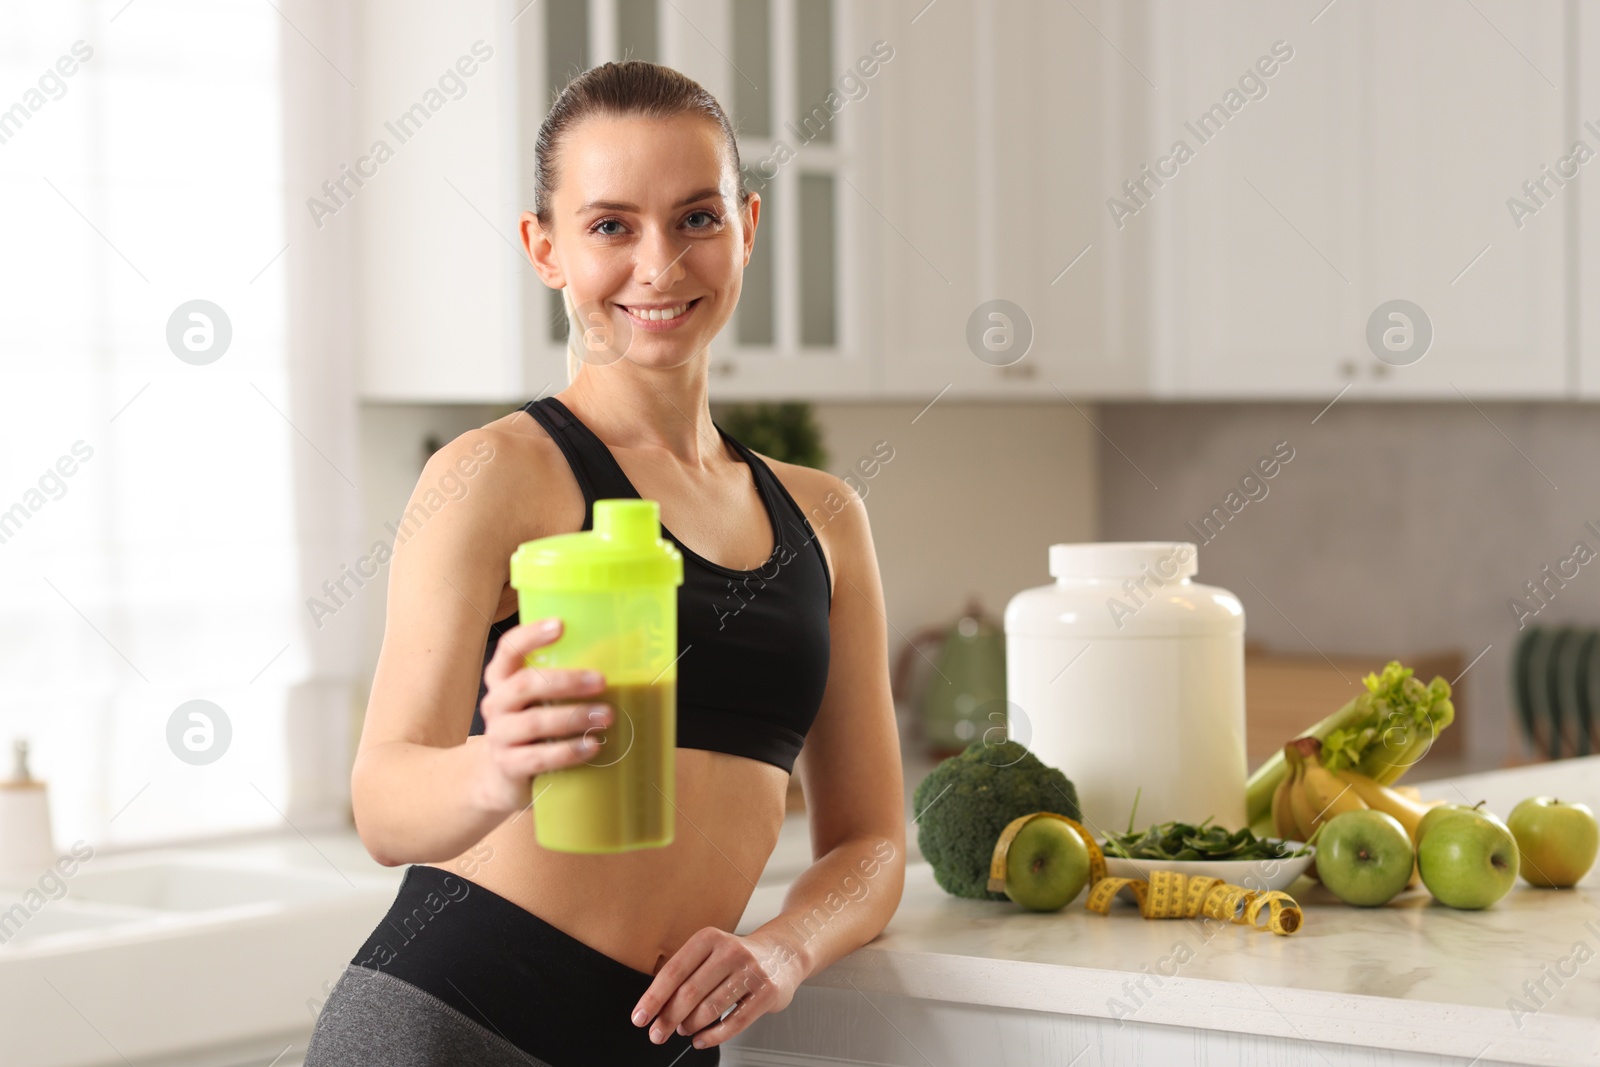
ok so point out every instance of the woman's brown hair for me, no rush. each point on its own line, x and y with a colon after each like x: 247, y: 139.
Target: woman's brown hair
x: 631, y: 87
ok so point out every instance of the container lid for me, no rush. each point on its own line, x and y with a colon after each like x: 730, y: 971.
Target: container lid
x: 1171, y: 561
x: 625, y: 549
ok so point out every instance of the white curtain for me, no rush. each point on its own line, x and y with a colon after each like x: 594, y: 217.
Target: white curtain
x: 165, y: 508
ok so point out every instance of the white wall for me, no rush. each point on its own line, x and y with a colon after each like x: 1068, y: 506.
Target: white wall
x: 973, y: 498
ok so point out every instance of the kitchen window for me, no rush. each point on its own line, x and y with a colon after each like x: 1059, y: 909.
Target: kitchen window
x: 148, y: 545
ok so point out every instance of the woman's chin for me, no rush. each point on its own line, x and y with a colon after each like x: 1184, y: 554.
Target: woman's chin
x: 655, y: 354
x: 651, y: 353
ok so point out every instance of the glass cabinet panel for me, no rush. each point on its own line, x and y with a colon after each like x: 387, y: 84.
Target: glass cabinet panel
x: 754, y: 318
x: 638, y: 36
x: 817, y: 252
x: 752, y: 68
x: 814, y: 69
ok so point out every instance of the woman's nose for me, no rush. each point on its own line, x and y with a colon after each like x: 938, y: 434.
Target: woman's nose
x: 659, y: 263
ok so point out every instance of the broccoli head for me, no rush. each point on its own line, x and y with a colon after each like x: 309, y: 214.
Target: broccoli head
x: 967, y: 800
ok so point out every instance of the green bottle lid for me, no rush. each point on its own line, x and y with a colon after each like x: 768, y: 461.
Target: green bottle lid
x: 624, y: 550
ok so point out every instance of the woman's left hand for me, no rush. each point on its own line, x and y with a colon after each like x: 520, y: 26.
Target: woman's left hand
x: 713, y: 971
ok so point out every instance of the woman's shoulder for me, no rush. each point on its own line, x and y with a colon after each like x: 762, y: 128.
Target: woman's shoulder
x: 505, y: 473
x: 836, y: 512
x: 811, y: 488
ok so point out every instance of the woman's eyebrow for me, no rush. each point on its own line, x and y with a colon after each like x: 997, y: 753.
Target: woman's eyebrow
x: 618, y: 205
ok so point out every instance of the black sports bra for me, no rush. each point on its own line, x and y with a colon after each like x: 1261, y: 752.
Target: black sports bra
x: 753, y: 645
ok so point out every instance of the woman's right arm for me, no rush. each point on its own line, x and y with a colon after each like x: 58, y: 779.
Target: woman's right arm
x: 421, y: 789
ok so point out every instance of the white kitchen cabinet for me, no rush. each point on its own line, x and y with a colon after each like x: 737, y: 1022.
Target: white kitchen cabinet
x: 992, y: 158
x: 1068, y: 86
x: 1586, y: 269
x: 927, y: 202
x: 1452, y: 131
x: 998, y: 118
x: 806, y: 326
x: 437, y: 265
x: 1376, y: 166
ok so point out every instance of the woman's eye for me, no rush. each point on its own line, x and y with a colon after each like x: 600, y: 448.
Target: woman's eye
x: 601, y: 227
x: 707, y: 220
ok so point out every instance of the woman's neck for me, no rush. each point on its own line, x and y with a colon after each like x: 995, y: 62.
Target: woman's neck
x: 629, y: 406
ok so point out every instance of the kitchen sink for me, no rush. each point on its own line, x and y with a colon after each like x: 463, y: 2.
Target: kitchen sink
x: 58, y: 919
x: 182, y: 886
x: 135, y: 894
x: 174, y: 952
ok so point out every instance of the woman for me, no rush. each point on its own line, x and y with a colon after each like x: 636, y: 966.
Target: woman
x: 497, y: 951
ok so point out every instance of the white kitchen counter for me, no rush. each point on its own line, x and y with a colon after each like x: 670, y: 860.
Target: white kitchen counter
x: 1414, y: 978
x: 950, y: 982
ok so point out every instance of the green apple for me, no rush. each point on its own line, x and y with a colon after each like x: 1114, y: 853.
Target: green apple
x: 1468, y: 859
x: 1442, y: 811
x: 1047, y: 864
x: 1364, y: 857
x: 1557, y: 840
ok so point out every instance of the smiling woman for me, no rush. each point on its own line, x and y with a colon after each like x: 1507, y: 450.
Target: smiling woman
x: 640, y: 218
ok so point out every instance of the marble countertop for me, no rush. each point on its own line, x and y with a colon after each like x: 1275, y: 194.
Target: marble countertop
x: 1413, y: 976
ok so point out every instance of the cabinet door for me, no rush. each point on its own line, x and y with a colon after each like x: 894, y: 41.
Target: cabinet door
x: 926, y: 207
x: 1367, y: 168
x: 1450, y: 132
x: 1586, y: 127
x: 1069, y: 88
x: 1253, y: 164
x: 1000, y: 119
x: 788, y: 73
x: 436, y: 212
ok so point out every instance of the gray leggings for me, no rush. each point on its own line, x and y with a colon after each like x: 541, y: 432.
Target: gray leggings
x: 373, y: 1018
x: 457, y: 975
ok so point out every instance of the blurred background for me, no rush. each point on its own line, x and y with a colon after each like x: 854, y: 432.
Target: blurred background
x: 1076, y: 266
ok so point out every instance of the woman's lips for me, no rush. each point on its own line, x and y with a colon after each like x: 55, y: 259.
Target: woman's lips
x: 660, y: 320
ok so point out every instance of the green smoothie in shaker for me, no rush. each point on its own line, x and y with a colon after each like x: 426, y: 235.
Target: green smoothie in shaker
x: 615, y: 589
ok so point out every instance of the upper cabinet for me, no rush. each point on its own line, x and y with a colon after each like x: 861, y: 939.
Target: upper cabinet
x: 1340, y: 215
x: 999, y: 277
x: 1586, y: 196
x: 1097, y: 199
x: 795, y: 77
x: 429, y: 184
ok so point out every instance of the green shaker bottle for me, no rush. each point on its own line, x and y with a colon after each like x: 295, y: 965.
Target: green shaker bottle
x: 616, y: 590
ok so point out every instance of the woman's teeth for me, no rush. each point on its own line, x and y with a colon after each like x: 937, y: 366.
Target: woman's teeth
x: 658, y: 314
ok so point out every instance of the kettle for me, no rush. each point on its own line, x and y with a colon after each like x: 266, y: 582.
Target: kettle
x: 954, y: 677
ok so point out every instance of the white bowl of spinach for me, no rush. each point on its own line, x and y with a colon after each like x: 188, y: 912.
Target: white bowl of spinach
x: 1238, y: 857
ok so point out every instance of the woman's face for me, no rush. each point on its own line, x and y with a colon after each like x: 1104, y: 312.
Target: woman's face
x: 647, y: 233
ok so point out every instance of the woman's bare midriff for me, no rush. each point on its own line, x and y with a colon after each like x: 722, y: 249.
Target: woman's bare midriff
x: 640, y: 907
x: 637, y: 907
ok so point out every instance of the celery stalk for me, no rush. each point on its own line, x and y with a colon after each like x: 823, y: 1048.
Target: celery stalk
x: 1381, y: 733
x: 1406, y: 718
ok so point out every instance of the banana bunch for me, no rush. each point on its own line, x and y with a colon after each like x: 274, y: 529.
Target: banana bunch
x: 1310, y: 794
x: 1380, y: 733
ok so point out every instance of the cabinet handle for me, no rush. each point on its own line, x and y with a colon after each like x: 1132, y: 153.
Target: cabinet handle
x: 725, y: 368
x: 1018, y: 370
x: 1381, y: 370
x: 1348, y: 368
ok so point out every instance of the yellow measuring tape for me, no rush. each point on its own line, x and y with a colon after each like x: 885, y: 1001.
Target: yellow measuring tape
x: 1166, y: 894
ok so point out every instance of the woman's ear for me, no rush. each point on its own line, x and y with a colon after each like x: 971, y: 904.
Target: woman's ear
x: 541, y: 251
x: 752, y: 215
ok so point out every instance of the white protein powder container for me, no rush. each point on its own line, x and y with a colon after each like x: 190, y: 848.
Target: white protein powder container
x: 1126, y: 675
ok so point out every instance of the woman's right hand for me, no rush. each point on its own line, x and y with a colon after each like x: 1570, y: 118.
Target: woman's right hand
x: 523, y: 736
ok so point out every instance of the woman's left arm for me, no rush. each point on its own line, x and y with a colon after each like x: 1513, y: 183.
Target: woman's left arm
x: 851, y: 775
